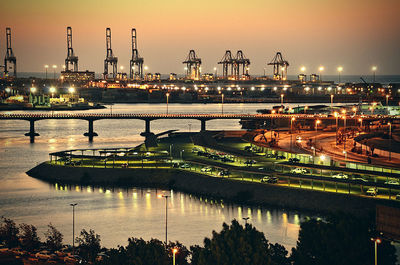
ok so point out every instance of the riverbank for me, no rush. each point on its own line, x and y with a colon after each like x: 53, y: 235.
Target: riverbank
x: 11, y: 107
x: 223, y: 188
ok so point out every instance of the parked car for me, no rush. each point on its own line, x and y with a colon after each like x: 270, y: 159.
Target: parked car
x: 250, y: 162
x: 294, y: 160
x: 279, y: 157
x: 227, y: 159
x: 224, y: 173
x: 360, y: 179
x: 270, y: 155
x: 124, y: 165
x: 195, y: 150
x: 372, y: 191
x: 269, y: 179
x: 392, y: 182
x: 340, y: 176
x: 299, y: 170
x: 186, y: 165
x: 206, y: 169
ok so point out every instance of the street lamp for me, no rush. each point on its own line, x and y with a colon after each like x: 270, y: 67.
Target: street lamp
x: 336, y: 116
x: 46, y: 67
x: 376, y: 241
x: 166, y: 216
x: 332, y: 101
x: 52, y: 91
x: 54, y: 71
x: 182, y: 154
x: 344, y: 130
x: 316, y: 129
x: 282, y: 99
x: 303, y: 69
x: 390, y: 135
x: 174, y: 251
x: 305, y: 109
x: 374, y: 68
x: 361, y: 122
x: 167, y: 101
x: 73, y: 226
x: 354, y: 109
x: 222, y: 105
x: 215, y: 71
x: 340, y: 69
x: 291, y: 132
x: 272, y: 113
x: 321, y: 68
x: 245, y: 220
x: 71, y: 90
x: 387, y: 100
x: 33, y: 90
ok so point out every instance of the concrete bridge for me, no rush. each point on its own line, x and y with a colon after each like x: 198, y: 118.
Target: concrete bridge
x: 203, y: 118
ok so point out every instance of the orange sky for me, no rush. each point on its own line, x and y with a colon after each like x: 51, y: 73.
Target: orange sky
x: 355, y: 34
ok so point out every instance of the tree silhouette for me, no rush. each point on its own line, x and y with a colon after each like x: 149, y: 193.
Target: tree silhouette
x: 89, y: 244
x: 28, y: 237
x: 9, y: 233
x: 54, y: 238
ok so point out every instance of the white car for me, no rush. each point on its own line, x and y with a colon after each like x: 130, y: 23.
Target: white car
x: 206, y: 169
x: 298, y: 170
x: 340, y: 176
x: 372, y: 191
x: 392, y: 182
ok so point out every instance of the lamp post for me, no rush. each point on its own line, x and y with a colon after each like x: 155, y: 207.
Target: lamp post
x: 340, y: 69
x: 344, y: 130
x: 390, y: 137
x: 182, y: 154
x: 52, y: 91
x: 215, y: 71
x: 46, y: 67
x: 245, y: 220
x: 174, y: 251
x: 73, y: 226
x: 387, y: 100
x: 321, y: 68
x: 291, y: 132
x: 282, y: 99
x: 361, y: 122
x: 305, y: 109
x: 272, y: 113
x: 376, y: 241
x: 336, y: 116
x: 33, y: 90
x: 222, y: 104
x: 166, y: 216
x: 374, y: 68
x: 167, y: 101
x: 316, y: 129
x: 54, y: 71
x: 332, y: 101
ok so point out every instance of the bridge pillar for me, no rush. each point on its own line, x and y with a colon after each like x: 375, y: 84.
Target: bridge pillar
x: 203, y: 125
x: 90, y: 133
x: 32, y: 132
x: 147, y: 126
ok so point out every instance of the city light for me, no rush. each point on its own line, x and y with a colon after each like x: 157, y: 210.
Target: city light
x: 303, y: 69
x: 33, y: 89
x: 71, y: 90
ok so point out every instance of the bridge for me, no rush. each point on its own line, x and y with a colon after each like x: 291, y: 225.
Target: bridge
x: 203, y: 118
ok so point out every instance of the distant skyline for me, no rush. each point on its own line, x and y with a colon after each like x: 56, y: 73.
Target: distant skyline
x: 354, y: 34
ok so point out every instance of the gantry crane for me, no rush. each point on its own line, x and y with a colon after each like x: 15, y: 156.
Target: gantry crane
x: 227, y: 63
x: 9, y: 58
x: 110, y: 58
x: 136, y: 63
x: 193, y: 65
x: 241, y: 62
x: 280, y: 67
x: 71, y: 58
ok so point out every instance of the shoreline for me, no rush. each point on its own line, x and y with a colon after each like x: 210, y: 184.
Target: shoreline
x: 200, y: 185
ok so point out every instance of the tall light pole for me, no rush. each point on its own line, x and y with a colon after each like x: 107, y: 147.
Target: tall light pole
x: 376, y: 241
x: 316, y: 130
x: 332, y: 101
x: 54, y: 71
x: 305, y: 109
x: 321, y: 69
x: 167, y: 101
x: 222, y: 105
x: 344, y: 130
x: 340, y: 69
x: 272, y: 113
x: 390, y: 137
x: 387, y: 100
x: 46, y: 67
x: 73, y: 226
x: 174, y: 251
x: 291, y: 132
x: 374, y: 68
x: 282, y: 99
x: 245, y: 220
x: 166, y: 216
x: 215, y: 71
x: 336, y: 116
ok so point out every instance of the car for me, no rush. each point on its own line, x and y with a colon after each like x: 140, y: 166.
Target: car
x: 398, y: 197
x: 392, y: 182
x: 226, y: 159
x: 250, y: 162
x: 248, y: 148
x: 340, y: 176
x: 269, y: 179
x: 298, y: 170
x: 206, y: 169
x: 280, y: 157
x: 270, y: 155
x: 215, y: 157
x: 224, y: 173
x: 294, y: 160
x: 195, y: 150
x: 186, y: 165
x: 372, y: 191
x: 78, y: 163
x: 124, y: 165
x: 175, y: 165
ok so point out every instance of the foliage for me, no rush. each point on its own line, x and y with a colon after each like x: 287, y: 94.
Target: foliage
x: 54, y: 238
x: 9, y: 233
x: 28, y: 237
x: 236, y: 245
x: 88, y: 244
x: 340, y: 240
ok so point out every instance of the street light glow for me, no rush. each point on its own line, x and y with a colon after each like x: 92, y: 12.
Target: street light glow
x: 33, y: 89
x: 303, y: 69
x: 52, y: 89
x: 374, y: 68
x: 71, y: 90
x: 340, y: 69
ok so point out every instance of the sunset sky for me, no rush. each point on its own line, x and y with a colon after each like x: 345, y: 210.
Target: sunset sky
x: 355, y: 34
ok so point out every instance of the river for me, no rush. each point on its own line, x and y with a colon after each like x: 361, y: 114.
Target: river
x: 121, y: 213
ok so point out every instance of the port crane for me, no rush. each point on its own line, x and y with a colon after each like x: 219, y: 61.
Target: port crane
x: 193, y: 66
x: 227, y: 64
x: 110, y: 58
x: 71, y: 58
x: 136, y: 62
x: 280, y: 67
x: 10, y: 61
x: 241, y: 62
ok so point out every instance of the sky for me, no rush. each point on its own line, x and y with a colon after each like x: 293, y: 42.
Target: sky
x: 354, y: 34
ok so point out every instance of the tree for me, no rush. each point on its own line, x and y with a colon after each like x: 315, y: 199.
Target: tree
x: 9, y: 233
x: 54, y: 238
x: 182, y: 254
x: 88, y: 244
x: 235, y: 245
x: 339, y: 240
x: 28, y: 237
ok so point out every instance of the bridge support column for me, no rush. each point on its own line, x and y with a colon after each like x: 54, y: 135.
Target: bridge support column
x: 203, y: 125
x: 32, y: 132
x: 147, y: 126
x: 90, y: 133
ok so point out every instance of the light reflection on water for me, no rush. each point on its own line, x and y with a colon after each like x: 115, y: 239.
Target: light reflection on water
x: 117, y: 214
